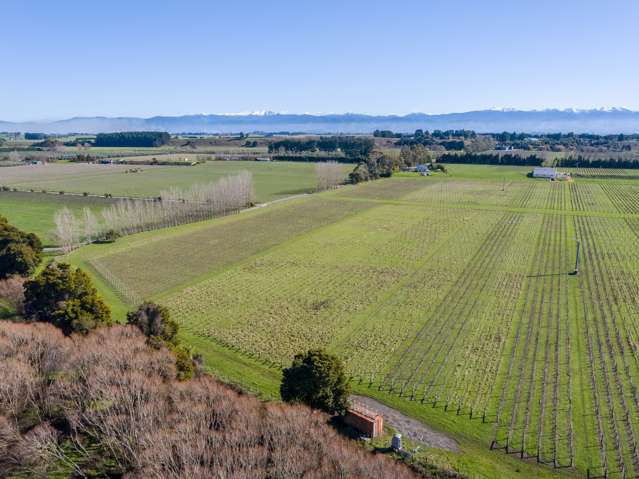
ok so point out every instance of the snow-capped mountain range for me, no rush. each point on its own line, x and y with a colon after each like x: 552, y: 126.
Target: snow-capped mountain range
x: 601, y: 121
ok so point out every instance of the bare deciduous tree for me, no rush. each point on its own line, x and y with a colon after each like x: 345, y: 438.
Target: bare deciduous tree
x: 67, y: 229
x: 329, y: 175
x: 14, y: 157
x: 90, y: 225
x: 12, y: 291
x: 174, y: 207
x: 111, y: 390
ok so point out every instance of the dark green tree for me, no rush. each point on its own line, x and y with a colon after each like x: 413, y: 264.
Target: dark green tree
x: 155, y: 322
x: 66, y: 298
x: 359, y: 174
x: 20, y: 252
x: 316, y: 378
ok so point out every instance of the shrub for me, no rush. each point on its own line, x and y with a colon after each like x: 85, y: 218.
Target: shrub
x: 155, y: 323
x: 317, y: 379
x: 359, y: 174
x: 184, y: 363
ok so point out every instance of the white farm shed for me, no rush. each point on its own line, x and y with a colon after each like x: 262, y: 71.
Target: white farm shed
x: 544, y: 172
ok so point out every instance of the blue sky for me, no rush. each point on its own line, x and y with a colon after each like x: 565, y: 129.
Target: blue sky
x: 143, y: 58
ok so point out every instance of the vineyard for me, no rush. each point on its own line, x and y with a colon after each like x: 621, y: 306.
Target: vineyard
x: 457, y: 296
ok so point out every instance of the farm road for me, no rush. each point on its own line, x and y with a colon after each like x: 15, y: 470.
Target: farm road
x: 409, y: 427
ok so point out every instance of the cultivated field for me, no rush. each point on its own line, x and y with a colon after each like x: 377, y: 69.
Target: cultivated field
x: 453, y: 296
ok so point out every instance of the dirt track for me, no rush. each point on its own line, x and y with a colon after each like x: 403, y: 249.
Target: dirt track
x: 409, y: 427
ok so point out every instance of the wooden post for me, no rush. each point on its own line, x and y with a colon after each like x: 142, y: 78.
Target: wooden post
x: 577, y: 258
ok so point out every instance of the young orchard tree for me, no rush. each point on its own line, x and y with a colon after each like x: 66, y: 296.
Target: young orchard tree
x: 316, y: 378
x: 66, y: 298
x: 20, y: 252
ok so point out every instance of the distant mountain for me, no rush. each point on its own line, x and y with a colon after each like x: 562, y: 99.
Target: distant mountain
x: 601, y: 121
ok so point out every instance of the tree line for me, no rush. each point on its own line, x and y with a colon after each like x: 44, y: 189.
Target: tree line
x: 490, y: 159
x: 351, y: 146
x: 173, y: 207
x: 34, y: 136
x: 133, y: 139
x: 586, y: 162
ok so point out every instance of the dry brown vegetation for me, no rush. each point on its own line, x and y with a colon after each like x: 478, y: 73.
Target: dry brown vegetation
x: 12, y: 292
x: 108, y: 402
x: 329, y: 175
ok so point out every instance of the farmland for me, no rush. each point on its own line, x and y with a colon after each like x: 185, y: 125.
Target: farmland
x: 273, y: 180
x: 449, y: 297
x: 33, y: 210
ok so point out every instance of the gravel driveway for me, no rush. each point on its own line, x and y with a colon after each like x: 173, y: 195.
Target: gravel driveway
x: 409, y: 427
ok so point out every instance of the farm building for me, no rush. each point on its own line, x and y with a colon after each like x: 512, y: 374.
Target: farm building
x: 543, y: 172
x: 422, y: 169
x: 550, y: 173
x: 365, y: 421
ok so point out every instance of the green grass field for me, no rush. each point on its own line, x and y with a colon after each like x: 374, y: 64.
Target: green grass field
x: 272, y: 180
x: 34, y: 212
x: 448, y: 297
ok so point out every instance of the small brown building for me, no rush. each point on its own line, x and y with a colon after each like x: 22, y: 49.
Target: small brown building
x: 366, y: 422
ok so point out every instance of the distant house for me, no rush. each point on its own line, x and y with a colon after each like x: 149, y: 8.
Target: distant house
x: 263, y: 158
x: 423, y: 169
x: 504, y: 148
x: 544, y: 172
x: 550, y: 173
